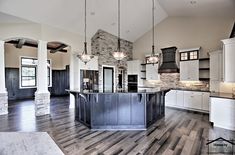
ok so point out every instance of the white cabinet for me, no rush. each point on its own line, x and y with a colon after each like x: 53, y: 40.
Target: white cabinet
x: 222, y: 113
x: 179, y: 98
x: 216, y: 72
x: 189, y: 70
x: 205, y: 101
x: 228, y: 60
x: 170, y: 98
x: 133, y: 67
x: 91, y: 65
x: 191, y: 100
x: 152, y: 72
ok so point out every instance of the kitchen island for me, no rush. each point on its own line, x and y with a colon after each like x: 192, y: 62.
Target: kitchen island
x: 120, y: 110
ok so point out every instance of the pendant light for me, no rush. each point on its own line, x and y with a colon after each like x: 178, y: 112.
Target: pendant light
x: 84, y: 57
x: 153, y: 58
x: 118, y: 54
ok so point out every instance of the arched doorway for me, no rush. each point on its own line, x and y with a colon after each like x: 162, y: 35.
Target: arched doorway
x: 27, y: 74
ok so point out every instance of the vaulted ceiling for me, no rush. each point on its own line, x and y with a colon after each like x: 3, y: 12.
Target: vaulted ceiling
x: 102, y: 14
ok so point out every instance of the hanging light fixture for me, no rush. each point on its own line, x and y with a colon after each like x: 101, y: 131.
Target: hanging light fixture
x: 153, y: 57
x: 118, y: 54
x: 84, y: 57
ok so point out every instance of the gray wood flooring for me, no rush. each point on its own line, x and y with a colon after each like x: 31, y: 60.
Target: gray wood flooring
x: 179, y: 132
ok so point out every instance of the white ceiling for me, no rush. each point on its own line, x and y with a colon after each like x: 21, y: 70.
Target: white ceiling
x: 200, y: 8
x: 135, y: 14
x: 5, y: 18
x: 69, y: 15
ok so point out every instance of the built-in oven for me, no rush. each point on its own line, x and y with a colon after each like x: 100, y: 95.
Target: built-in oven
x: 132, y: 83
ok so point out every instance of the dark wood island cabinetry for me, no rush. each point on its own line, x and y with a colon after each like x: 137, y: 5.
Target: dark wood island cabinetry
x: 124, y: 110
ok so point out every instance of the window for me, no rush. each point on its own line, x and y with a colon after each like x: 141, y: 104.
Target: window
x: 189, y: 55
x: 183, y: 56
x: 193, y: 55
x: 28, y: 74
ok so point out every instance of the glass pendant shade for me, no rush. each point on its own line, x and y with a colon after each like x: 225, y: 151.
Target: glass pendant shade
x: 84, y: 57
x: 153, y: 59
x: 119, y: 55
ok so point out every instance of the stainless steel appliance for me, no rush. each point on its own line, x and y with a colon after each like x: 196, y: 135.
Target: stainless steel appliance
x: 132, y: 83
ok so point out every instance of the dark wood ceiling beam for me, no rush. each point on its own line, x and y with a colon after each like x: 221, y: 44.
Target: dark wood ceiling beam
x: 20, y: 44
x: 15, y: 42
x: 60, y: 48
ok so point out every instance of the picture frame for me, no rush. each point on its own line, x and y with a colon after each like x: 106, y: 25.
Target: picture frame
x: 232, y: 35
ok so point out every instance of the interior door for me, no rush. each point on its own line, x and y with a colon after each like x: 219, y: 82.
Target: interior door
x: 108, y: 79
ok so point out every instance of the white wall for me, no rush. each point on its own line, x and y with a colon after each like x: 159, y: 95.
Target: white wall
x: 185, y: 32
x: 12, y: 57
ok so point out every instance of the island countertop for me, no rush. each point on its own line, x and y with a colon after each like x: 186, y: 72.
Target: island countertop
x: 120, y: 92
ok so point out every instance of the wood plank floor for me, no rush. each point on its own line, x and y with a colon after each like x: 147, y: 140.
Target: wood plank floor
x: 180, y: 132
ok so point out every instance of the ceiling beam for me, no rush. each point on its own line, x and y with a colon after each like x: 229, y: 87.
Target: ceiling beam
x: 20, y: 43
x: 60, y: 48
x: 15, y: 42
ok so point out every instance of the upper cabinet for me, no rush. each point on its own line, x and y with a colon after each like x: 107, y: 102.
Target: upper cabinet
x: 189, y: 70
x: 189, y: 64
x: 133, y: 67
x: 152, y: 72
x: 91, y: 65
x: 216, y: 63
x: 229, y: 60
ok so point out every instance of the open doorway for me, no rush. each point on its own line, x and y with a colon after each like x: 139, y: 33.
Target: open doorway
x: 108, y: 79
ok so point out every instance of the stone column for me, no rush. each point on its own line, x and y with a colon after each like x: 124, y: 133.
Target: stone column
x: 3, y: 92
x: 42, y: 95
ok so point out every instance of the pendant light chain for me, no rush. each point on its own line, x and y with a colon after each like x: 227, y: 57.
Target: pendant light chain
x: 119, y: 44
x: 153, y: 28
x: 85, y: 21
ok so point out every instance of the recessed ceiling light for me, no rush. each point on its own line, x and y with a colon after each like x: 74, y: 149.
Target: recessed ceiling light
x: 92, y: 13
x: 193, y: 2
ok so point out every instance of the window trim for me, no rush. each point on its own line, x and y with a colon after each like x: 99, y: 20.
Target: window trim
x: 188, y: 55
x: 20, y: 73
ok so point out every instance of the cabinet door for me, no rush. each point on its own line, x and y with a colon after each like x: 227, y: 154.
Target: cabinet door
x: 184, y: 76
x: 179, y: 98
x: 205, y: 101
x: 196, y: 100
x: 124, y: 109
x: 137, y: 107
x: 170, y: 98
x: 189, y: 70
x: 187, y: 99
x: 152, y: 72
x: 214, y: 66
x: 129, y: 67
x: 193, y: 70
x: 110, y: 109
x: 98, y: 109
x: 229, y: 63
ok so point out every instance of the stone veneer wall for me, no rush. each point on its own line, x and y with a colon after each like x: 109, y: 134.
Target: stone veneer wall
x: 172, y: 80
x: 102, y: 45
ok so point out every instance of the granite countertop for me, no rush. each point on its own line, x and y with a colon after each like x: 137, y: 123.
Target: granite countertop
x: 222, y: 95
x: 140, y: 91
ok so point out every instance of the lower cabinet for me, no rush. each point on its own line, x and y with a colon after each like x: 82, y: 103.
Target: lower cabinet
x: 191, y: 100
x: 222, y: 113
